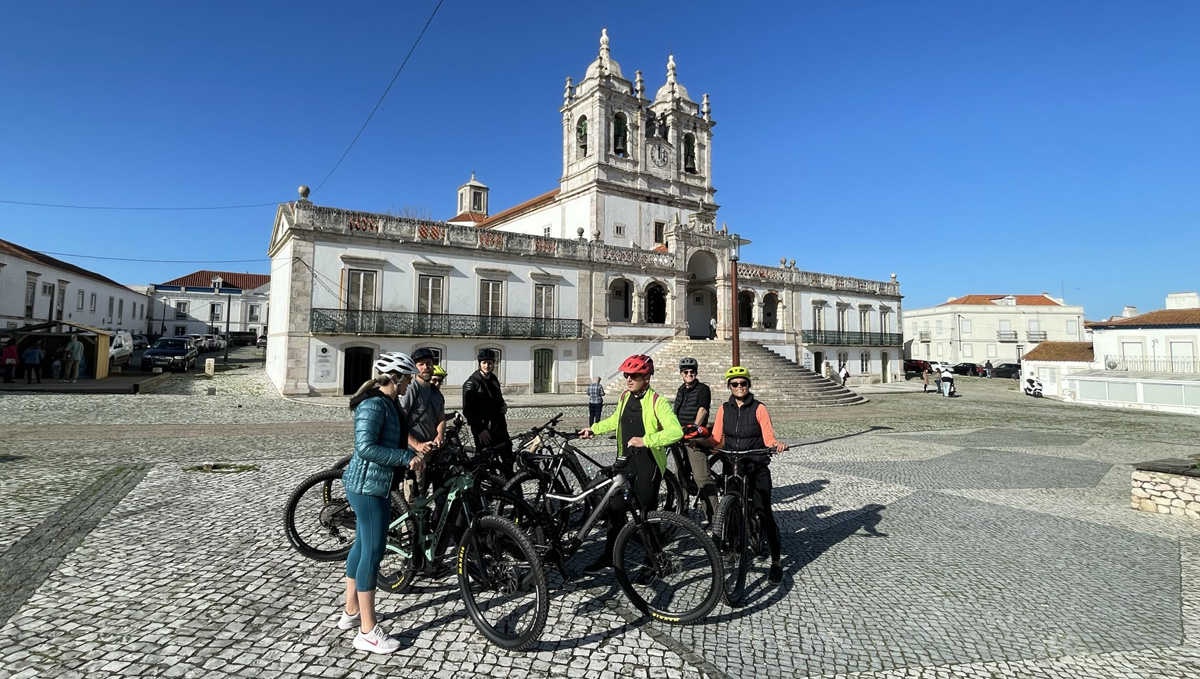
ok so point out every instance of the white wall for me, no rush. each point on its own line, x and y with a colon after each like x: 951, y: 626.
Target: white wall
x: 129, y: 306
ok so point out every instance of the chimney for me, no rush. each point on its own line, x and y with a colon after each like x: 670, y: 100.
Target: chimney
x: 1129, y: 312
x: 1183, y: 300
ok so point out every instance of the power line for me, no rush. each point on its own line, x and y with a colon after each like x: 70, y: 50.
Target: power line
x: 110, y: 207
x: 242, y: 207
x: 381, y: 97
x: 158, y: 261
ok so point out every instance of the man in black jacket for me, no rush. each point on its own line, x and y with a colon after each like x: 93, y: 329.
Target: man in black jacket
x: 692, y: 403
x: 484, y: 408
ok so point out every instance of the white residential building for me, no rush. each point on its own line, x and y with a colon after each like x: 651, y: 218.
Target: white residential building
x: 996, y: 328
x: 35, y: 288
x: 621, y: 258
x: 208, y: 302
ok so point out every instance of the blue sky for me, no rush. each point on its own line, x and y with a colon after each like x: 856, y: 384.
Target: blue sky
x: 969, y: 147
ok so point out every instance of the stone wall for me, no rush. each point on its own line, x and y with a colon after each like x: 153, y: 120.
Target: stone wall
x: 1166, y: 494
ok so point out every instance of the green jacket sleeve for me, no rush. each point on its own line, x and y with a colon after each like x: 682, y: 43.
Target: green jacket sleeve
x: 670, y: 432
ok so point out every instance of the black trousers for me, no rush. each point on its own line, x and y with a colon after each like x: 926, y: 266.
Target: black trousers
x: 645, y: 481
x: 760, y: 491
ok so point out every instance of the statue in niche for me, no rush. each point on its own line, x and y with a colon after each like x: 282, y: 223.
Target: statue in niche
x: 650, y: 124
x: 581, y: 136
x: 663, y: 128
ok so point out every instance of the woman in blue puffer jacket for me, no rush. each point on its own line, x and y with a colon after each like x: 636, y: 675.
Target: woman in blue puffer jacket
x: 380, y: 436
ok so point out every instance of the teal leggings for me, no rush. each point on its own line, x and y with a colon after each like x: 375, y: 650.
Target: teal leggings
x: 372, y: 516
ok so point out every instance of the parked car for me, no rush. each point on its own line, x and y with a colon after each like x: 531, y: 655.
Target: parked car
x: 120, y: 348
x: 934, y: 366
x: 140, y: 342
x: 916, y: 365
x: 242, y: 338
x: 199, y: 341
x: 967, y: 368
x: 1007, y: 370
x: 262, y: 341
x: 173, y: 353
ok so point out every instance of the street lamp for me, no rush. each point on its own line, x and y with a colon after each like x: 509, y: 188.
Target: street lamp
x: 216, y: 281
x: 734, y: 255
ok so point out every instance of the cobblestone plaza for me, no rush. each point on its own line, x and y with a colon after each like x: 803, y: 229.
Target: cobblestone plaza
x: 989, y: 535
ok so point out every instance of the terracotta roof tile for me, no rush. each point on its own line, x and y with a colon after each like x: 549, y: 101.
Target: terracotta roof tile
x: 1162, y: 317
x: 474, y: 217
x: 203, y: 279
x: 517, y: 209
x: 28, y: 255
x: 1022, y: 300
x: 661, y: 247
x: 1080, y: 352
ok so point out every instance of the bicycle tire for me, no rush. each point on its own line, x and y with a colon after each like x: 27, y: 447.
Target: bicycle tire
x: 506, y: 563
x: 729, y: 528
x: 506, y: 505
x: 401, y: 558
x: 559, y: 521
x: 675, y: 498
x: 760, y: 547
x: 331, y: 535
x: 685, y: 569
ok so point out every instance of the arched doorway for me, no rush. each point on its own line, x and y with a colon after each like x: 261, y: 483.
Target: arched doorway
x: 356, y: 368
x: 701, y: 304
x: 745, y: 309
x: 620, y: 299
x: 656, y: 304
x: 770, y: 311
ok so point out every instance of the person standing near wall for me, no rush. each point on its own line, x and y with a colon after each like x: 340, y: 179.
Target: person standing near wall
x: 595, y: 392
x: 73, y: 353
x: 484, y: 408
x: 8, y: 356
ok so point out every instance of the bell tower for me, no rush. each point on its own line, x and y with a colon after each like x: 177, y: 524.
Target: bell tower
x: 601, y: 116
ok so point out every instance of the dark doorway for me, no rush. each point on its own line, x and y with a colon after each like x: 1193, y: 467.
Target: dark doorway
x: 745, y: 309
x: 356, y: 368
x: 656, y: 304
x: 543, y: 371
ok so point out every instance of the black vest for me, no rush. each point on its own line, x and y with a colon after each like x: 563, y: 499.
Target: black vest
x: 741, y: 428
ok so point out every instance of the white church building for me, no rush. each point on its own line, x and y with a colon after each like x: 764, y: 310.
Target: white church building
x: 623, y: 257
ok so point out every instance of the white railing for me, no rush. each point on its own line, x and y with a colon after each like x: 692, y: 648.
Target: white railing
x: 1154, y: 364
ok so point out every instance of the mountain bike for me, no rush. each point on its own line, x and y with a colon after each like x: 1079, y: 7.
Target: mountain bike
x: 738, y: 522
x: 500, y: 575
x: 666, y: 565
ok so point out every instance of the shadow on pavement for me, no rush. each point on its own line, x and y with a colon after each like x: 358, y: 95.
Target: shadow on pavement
x: 868, y: 430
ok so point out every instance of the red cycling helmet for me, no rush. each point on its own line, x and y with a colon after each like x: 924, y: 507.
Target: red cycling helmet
x: 640, y: 364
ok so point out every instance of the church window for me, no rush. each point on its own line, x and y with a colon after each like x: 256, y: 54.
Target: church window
x: 477, y: 201
x: 620, y: 135
x: 660, y: 232
x: 581, y: 136
x: 689, y: 153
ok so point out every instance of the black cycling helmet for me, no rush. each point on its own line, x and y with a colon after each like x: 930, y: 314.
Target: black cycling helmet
x: 486, y: 355
x: 422, y: 353
x: 689, y: 362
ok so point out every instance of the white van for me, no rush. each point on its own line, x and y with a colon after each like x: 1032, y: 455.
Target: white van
x: 120, y: 348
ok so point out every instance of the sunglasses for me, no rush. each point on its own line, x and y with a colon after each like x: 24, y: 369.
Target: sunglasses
x: 688, y: 372
x: 632, y: 376
x: 435, y: 380
x: 739, y: 383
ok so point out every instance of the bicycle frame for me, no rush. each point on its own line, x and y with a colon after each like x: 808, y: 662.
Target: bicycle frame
x: 427, y: 542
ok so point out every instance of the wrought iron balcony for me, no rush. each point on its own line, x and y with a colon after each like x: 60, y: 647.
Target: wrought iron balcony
x: 847, y: 338
x: 1006, y: 335
x: 926, y: 336
x: 411, y: 324
x: 1036, y: 335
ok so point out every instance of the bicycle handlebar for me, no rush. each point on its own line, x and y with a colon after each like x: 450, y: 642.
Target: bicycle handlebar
x: 742, y: 453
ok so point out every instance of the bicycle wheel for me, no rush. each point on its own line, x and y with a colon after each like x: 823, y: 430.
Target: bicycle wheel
x: 503, y: 583
x: 318, y: 519
x: 558, y: 520
x: 675, y: 568
x: 401, y: 556
x: 759, y: 546
x: 729, y: 528
x: 506, y: 505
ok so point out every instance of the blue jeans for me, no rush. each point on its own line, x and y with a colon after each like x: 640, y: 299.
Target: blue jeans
x: 372, y: 516
x: 594, y: 413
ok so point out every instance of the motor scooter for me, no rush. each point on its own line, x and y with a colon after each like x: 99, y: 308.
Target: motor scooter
x: 1033, y: 387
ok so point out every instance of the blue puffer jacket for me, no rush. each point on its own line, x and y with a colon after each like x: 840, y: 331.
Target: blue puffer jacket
x: 379, y: 434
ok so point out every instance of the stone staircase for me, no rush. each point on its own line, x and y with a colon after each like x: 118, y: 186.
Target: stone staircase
x: 777, y: 381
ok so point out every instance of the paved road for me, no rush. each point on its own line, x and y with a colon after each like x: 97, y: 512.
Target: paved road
x: 983, y: 536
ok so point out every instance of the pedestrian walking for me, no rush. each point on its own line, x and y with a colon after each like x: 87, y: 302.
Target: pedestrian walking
x: 988, y: 367
x: 595, y: 394
x: 844, y: 373
x: 8, y: 356
x: 924, y: 380
x: 31, y: 362
x: 947, y: 383
x: 73, y: 354
x: 712, y: 328
x: 380, y: 446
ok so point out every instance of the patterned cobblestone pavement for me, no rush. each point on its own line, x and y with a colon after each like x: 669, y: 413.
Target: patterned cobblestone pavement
x: 983, y: 536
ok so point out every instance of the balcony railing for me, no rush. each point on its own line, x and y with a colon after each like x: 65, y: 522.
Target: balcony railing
x: 1006, y: 335
x: 1152, y: 365
x: 1036, y: 335
x: 410, y: 324
x: 926, y: 336
x: 848, y: 338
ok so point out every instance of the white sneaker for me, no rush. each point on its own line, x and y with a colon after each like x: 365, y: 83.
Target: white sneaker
x: 349, y: 621
x: 376, y: 641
